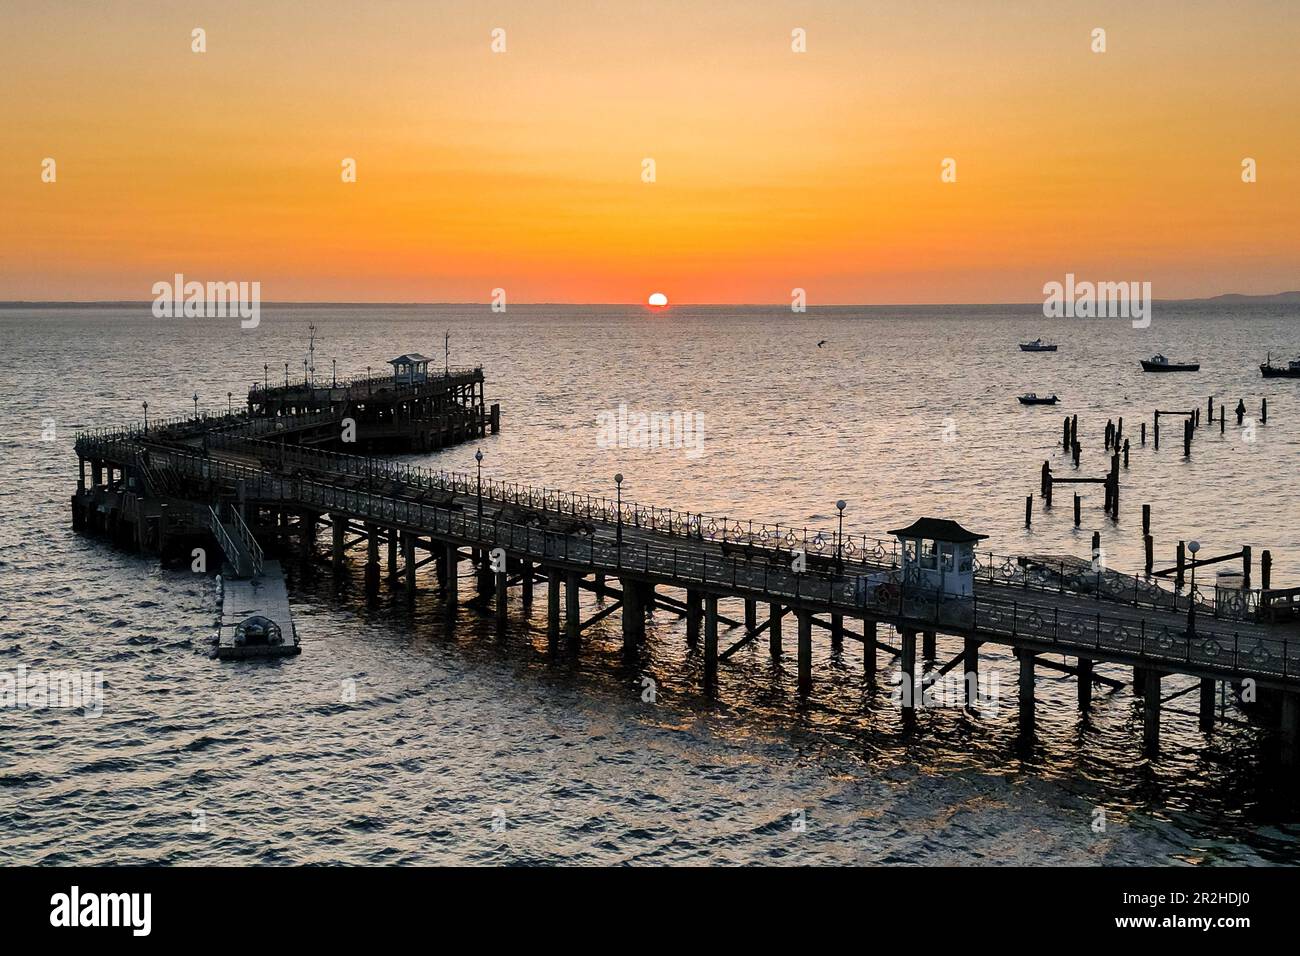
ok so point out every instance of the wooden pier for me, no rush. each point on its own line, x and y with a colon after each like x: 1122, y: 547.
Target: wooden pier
x: 401, y: 520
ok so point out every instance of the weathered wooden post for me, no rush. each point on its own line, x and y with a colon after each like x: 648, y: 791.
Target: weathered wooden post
x: 837, y: 632
x: 338, y: 524
x: 1045, y: 480
x: 572, y: 622
x: 502, y: 598
x: 971, y: 671
x: 1265, y: 569
x: 600, y: 585
x: 1148, y: 544
x: 1263, y: 411
x: 1076, y: 454
x: 1074, y: 429
x: 1241, y: 410
x: 928, y: 645
x: 694, y: 611
x: 1096, y: 546
x: 774, y: 629
x: 408, y: 559
x: 1125, y: 452
x: 526, y: 580
x: 1223, y: 419
x: 1142, y: 432
x: 907, y: 667
x: 1084, y: 673
x: 1026, y: 689
x: 869, y: 651
x: 392, y: 553
x: 1157, y: 432
x: 372, y: 558
x: 1151, y: 711
x: 805, y: 651
x: 1048, y: 502
x: 1119, y: 430
x: 1245, y: 567
x: 633, y: 612
x: 1029, y: 511
x: 1209, y: 408
x: 710, y: 643
x: 552, y: 606
x: 751, y: 615
x: 1114, y: 486
x: 1065, y: 435
x: 1180, y: 564
x: 1187, y: 438
x: 1207, y: 693
x: 1146, y: 519
x: 1077, y: 509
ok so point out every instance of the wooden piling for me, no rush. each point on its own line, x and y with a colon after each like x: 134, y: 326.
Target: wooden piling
x: 1026, y: 689
x: 1290, y: 729
x: 1223, y: 419
x: 408, y: 562
x: 339, y: 525
x: 971, y: 671
x: 710, y: 642
x: 694, y: 611
x: 1146, y: 519
x: 929, y: 645
x: 1151, y: 711
x: 1029, y: 511
x: 1245, y: 566
x: 1125, y: 452
x: 572, y: 622
x: 1263, y: 411
x: 1208, y: 691
x: 1078, y: 509
x: 837, y: 632
x: 1266, y: 569
x: 774, y: 629
x: 751, y: 615
x: 907, y: 668
x: 526, y: 580
x: 633, y: 612
x: 1180, y: 564
x: 450, y: 574
x: 1084, y: 674
x: 1149, y: 546
x: 869, y: 651
x: 1142, y: 432
x: 805, y: 651
x: 502, y: 585
x: 552, y: 606
x: 372, y: 558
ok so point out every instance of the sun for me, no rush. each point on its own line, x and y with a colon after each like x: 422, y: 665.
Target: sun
x: 657, y: 300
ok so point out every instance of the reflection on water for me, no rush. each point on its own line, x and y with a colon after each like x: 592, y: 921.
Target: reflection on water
x: 466, y: 743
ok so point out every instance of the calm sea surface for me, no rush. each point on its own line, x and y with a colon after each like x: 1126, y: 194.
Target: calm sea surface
x: 902, y: 412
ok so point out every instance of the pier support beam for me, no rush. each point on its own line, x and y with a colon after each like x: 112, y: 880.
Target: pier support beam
x: 751, y: 616
x: 526, y: 583
x: 928, y: 645
x: 971, y: 671
x: 1026, y: 686
x: 1151, y: 710
x: 710, y: 643
x: 484, y: 579
x: 307, y: 532
x: 869, y: 651
x: 552, y: 606
x: 907, y: 672
x: 408, y: 559
x: 600, y: 585
x: 774, y: 612
x: 1084, y: 674
x: 694, y: 611
x: 502, y: 583
x: 573, y: 585
x: 805, y: 651
x: 837, y: 632
x: 633, y: 612
x: 372, y: 558
x: 339, y: 525
x: 1205, y: 720
x: 451, y: 573
x: 392, y: 552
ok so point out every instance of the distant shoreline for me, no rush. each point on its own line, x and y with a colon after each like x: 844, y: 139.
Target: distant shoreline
x: 1231, y: 298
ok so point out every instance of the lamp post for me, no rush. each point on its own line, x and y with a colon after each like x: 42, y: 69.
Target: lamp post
x: 334, y: 373
x: 839, y: 538
x: 618, y: 511
x: 266, y: 371
x: 1192, y: 546
x: 368, y: 382
x: 478, y: 458
x: 146, y: 417
x: 286, y: 374
x: 196, y: 404
x: 304, y: 372
x: 230, y: 406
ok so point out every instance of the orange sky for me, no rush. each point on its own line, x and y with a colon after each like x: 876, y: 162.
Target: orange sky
x: 522, y: 170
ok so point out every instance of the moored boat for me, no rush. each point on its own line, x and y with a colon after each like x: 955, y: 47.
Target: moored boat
x: 1290, y: 370
x: 1033, y: 398
x: 1037, y: 345
x: 1158, y: 363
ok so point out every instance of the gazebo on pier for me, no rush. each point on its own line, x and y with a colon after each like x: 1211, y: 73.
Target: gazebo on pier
x: 410, y: 369
x: 939, y: 554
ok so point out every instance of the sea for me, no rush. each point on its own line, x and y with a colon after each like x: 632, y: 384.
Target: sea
x: 403, y: 736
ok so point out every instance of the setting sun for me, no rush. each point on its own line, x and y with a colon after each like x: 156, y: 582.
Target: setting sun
x: 658, y: 300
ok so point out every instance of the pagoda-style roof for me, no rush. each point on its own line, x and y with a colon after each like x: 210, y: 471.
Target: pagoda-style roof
x: 410, y: 358
x: 938, y: 529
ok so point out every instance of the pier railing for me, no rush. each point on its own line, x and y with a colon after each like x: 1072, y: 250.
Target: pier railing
x: 460, y: 374
x: 861, y: 552
x: 879, y: 593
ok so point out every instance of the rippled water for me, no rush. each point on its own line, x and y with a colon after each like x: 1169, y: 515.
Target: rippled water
x: 456, y: 726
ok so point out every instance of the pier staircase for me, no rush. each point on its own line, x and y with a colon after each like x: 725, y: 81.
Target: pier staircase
x: 242, y: 552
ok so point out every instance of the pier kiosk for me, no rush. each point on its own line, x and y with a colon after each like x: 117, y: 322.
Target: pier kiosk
x: 410, y: 369
x: 939, y: 555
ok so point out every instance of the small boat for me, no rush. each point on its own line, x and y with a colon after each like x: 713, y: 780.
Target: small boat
x: 257, y: 636
x: 1035, y: 399
x: 1290, y: 370
x: 1158, y: 363
x: 1037, y: 345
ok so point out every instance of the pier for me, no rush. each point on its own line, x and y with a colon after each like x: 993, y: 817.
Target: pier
x: 414, y: 527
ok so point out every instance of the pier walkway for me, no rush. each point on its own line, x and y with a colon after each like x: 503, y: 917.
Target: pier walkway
x: 519, y: 535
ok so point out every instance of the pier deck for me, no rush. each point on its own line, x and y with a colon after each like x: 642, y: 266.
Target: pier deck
x: 520, y: 535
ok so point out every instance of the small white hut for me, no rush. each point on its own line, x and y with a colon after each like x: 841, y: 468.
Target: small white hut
x: 939, y: 554
x: 410, y: 369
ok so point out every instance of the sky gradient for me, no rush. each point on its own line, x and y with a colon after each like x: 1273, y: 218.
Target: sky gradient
x: 522, y: 170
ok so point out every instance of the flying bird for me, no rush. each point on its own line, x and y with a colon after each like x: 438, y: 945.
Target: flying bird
x: 822, y: 342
